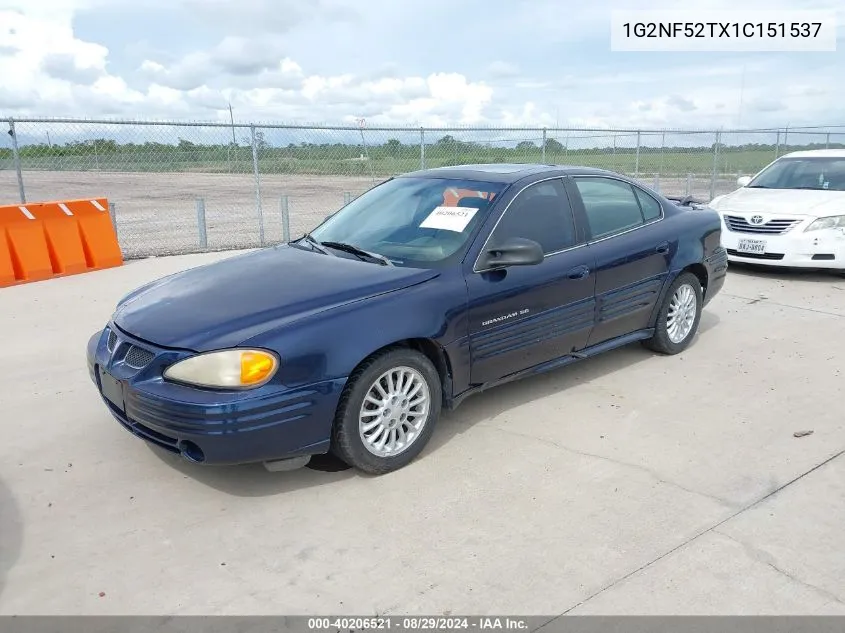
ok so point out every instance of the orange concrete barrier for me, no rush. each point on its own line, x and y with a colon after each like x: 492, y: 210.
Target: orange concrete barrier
x: 41, y: 240
x: 29, y: 257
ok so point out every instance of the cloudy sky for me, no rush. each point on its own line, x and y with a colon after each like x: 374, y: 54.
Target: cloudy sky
x: 415, y: 62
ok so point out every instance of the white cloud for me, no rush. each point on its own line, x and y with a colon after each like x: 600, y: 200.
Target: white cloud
x: 49, y: 70
x: 231, y: 57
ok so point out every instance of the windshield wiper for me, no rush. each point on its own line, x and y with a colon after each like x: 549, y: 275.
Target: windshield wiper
x: 360, y: 253
x: 758, y: 187
x: 315, y: 245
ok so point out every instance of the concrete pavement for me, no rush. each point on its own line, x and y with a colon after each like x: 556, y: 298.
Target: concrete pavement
x: 627, y: 484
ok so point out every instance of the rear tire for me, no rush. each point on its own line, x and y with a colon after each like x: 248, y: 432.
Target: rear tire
x: 678, y: 317
x: 387, y: 412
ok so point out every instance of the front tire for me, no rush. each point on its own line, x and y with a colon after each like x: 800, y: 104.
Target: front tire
x: 679, y: 316
x: 388, y: 411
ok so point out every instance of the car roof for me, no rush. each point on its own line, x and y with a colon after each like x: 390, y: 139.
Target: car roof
x: 817, y: 153
x: 502, y: 172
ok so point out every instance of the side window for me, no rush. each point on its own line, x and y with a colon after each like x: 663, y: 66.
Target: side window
x: 650, y: 206
x: 541, y: 213
x: 611, y: 205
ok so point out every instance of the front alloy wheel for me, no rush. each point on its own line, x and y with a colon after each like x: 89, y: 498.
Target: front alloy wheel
x: 387, y: 411
x: 394, y: 411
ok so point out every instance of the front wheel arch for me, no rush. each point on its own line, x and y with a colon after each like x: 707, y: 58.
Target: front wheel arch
x: 431, y: 350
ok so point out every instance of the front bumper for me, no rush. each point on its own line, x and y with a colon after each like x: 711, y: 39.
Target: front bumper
x: 207, y: 426
x: 794, y: 249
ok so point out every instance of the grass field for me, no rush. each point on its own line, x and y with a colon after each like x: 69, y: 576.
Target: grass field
x: 346, y: 161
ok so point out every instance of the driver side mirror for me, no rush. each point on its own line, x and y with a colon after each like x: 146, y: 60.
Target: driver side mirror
x: 516, y: 251
x: 743, y: 180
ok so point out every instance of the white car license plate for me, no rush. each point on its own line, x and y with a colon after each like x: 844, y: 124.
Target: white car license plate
x: 758, y: 247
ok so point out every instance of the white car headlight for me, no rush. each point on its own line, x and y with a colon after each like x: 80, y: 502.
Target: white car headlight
x: 226, y: 369
x: 834, y: 222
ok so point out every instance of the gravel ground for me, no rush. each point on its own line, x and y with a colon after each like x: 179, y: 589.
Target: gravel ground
x: 157, y: 212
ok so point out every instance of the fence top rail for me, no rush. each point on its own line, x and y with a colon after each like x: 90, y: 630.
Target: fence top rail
x: 813, y: 129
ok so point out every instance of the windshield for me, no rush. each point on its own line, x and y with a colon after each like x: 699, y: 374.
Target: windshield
x: 803, y: 173
x: 419, y: 222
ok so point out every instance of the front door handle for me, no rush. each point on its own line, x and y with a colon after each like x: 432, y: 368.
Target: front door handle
x: 579, y: 272
x: 663, y: 247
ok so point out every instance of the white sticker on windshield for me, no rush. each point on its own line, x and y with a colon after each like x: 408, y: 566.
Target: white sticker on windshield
x: 449, y: 218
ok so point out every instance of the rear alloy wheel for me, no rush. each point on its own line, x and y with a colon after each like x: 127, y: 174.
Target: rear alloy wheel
x: 679, y: 316
x: 388, y: 411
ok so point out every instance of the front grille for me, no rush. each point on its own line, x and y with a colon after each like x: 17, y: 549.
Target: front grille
x: 738, y: 224
x: 138, y: 357
x: 112, y: 341
x: 736, y: 253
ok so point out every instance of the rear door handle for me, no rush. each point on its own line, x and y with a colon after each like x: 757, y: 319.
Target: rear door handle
x: 663, y: 247
x: 579, y: 272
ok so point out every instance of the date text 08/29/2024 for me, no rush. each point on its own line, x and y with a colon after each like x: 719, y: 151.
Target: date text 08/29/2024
x: 354, y: 337
x: 418, y: 623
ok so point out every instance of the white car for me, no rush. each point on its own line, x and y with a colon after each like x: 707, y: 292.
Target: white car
x: 791, y: 214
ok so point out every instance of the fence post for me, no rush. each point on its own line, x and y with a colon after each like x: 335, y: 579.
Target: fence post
x: 203, y: 234
x: 17, y: 157
x: 689, y: 184
x: 777, y: 145
x: 257, y: 185
x: 637, y: 162
x: 613, y: 164
x: 656, y: 184
x: 662, y: 149
x: 422, y: 148
x: 543, y: 155
x: 113, y: 215
x: 285, y: 208
x: 347, y: 197
x: 715, y: 163
x: 827, y: 141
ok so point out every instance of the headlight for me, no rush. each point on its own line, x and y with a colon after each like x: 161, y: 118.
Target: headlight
x: 227, y: 369
x: 835, y: 222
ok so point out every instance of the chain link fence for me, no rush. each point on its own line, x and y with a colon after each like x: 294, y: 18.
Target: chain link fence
x: 190, y: 187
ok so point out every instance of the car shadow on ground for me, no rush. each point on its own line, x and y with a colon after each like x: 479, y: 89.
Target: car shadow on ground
x: 786, y: 274
x: 499, y: 400
x: 254, y: 481
x: 11, y: 532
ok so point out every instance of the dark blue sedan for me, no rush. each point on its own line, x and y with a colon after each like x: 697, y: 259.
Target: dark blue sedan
x: 430, y: 287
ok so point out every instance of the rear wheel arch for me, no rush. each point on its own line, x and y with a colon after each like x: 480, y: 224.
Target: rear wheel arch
x: 696, y: 268
x: 699, y: 270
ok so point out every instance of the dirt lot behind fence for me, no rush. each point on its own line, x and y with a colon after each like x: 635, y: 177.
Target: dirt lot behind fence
x: 157, y: 212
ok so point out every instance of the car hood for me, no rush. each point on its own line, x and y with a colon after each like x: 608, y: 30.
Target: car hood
x: 226, y: 302
x: 782, y: 201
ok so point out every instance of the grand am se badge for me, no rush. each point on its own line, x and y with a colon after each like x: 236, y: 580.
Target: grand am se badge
x: 505, y: 317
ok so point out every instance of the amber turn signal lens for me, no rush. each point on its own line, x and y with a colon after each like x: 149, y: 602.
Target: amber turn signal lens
x: 256, y: 367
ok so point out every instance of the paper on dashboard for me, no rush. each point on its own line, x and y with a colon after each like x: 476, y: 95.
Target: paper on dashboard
x: 449, y: 218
